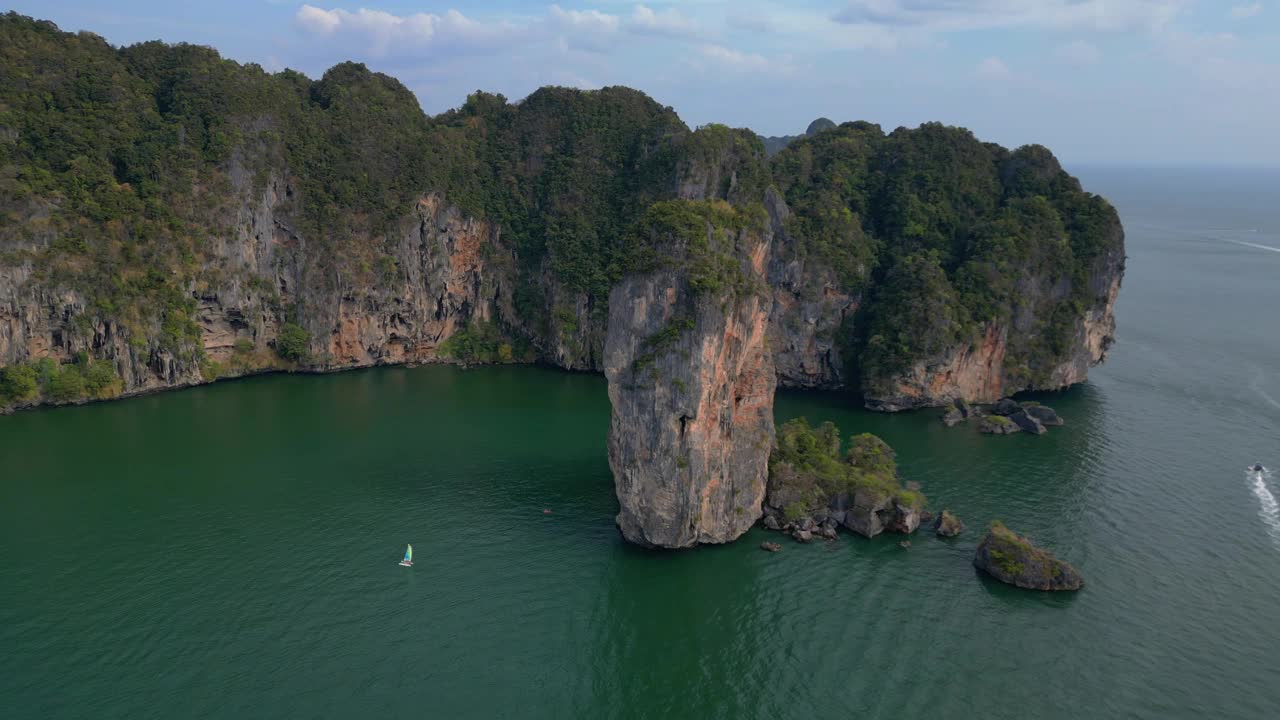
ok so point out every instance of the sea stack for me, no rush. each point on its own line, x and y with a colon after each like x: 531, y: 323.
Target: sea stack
x: 690, y: 378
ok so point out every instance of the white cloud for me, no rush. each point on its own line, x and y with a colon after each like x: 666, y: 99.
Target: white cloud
x: 1080, y: 52
x: 320, y: 22
x: 590, y: 21
x: 666, y: 22
x: 589, y: 30
x: 959, y: 15
x: 378, y: 32
x: 1246, y: 11
x: 993, y: 68
x: 738, y: 61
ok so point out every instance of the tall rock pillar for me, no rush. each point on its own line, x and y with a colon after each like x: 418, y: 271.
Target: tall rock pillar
x: 691, y: 380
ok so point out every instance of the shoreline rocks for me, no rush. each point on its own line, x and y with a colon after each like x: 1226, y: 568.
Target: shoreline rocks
x: 1026, y: 423
x: 1045, y: 415
x: 1013, y: 559
x: 1005, y: 417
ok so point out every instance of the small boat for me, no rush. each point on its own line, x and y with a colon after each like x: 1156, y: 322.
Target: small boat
x: 1258, y: 468
x: 408, y: 556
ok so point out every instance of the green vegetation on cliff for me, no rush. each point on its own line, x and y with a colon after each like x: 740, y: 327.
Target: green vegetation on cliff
x: 485, y: 342
x: 126, y: 173
x: 946, y: 235
x: 82, y: 379
x: 700, y: 236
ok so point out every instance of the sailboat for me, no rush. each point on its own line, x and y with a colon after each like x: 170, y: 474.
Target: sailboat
x: 408, y: 556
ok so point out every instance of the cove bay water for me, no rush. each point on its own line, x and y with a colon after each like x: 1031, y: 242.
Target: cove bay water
x: 231, y: 551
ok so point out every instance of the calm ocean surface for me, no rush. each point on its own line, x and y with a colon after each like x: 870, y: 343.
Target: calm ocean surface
x: 230, y: 551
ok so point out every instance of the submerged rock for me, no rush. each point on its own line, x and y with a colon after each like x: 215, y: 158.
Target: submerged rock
x: 803, y: 536
x: 1009, y: 558
x: 947, y: 525
x: 770, y: 546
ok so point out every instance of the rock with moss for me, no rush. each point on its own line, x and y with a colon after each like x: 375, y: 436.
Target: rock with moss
x: 947, y: 524
x: 1013, y: 559
x: 998, y: 425
x: 951, y: 416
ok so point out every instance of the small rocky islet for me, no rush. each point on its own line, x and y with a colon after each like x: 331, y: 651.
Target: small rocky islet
x: 1013, y: 559
x: 815, y: 489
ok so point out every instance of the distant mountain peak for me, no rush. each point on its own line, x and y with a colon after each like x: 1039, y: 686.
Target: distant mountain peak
x: 819, y: 125
x: 774, y: 145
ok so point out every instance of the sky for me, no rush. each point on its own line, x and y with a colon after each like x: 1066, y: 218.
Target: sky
x: 1100, y: 82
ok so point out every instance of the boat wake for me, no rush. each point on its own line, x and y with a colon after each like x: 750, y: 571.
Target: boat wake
x: 1268, y: 508
x: 1256, y: 386
x: 1252, y: 245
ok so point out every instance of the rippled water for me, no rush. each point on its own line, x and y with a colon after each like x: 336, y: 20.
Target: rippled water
x: 230, y: 551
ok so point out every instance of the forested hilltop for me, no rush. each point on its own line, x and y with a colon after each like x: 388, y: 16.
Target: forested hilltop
x: 171, y: 217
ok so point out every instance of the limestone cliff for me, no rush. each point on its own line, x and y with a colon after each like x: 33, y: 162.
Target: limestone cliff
x: 171, y: 217
x: 811, y: 311
x: 691, y: 388
x: 443, y: 272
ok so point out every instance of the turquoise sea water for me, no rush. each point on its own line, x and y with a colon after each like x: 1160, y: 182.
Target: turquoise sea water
x: 231, y: 551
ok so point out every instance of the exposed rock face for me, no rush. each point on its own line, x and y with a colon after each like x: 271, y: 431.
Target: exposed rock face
x: 1009, y: 558
x: 966, y: 372
x: 691, y: 386
x: 809, y: 311
x: 445, y: 271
